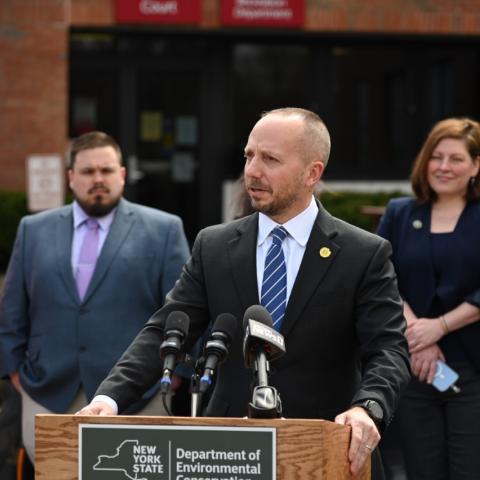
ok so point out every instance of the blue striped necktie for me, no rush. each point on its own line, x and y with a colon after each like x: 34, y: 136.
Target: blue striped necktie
x: 274, y: 285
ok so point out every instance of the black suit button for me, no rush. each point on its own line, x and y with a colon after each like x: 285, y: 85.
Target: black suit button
x: 83, y: 348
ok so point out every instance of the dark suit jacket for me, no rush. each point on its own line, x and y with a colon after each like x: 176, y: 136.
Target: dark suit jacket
x: 58, y: 342
x: 343, y: 326
x: 406, y: 224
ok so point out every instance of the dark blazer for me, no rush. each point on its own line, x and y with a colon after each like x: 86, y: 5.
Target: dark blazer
x: 343, y: 326
x: 58, y: 342
x: 406, y: 224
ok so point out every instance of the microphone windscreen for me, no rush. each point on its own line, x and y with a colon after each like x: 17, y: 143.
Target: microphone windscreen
x: 258, y: 313
x: 225, y: 323
x: 177, y: 320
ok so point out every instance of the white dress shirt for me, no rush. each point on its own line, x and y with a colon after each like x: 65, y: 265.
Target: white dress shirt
x: 299, y: 229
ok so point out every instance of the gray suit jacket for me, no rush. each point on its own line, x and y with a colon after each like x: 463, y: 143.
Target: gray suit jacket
x: 58, y: 342
x: 343, y: 326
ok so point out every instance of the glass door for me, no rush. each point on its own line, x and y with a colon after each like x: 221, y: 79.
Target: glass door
x: 167, y: 141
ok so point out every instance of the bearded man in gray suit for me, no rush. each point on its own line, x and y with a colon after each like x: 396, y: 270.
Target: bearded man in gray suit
x: 60, y: 335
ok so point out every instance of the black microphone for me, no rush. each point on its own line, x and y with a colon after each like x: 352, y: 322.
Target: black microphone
x: 262, y: 343
x: 176, y: 329
x: 260, y: 336
x: 217, y: 347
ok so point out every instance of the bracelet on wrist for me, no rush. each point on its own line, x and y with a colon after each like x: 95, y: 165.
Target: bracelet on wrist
x: 446, y: 331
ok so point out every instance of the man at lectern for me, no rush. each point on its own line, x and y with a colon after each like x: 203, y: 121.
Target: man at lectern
x: 332, y: 294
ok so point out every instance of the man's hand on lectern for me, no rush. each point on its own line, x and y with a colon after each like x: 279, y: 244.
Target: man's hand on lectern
x: 364, y: 438
x: 96, y: 408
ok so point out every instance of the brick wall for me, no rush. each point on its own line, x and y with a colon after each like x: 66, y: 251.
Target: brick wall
x: 92, y: 12
x: 33, y: 84
x: 34, y: 56
x: 394, y: 16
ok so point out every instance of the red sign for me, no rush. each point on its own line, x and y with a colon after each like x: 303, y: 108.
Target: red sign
x: 268, y: 13
x: 158, y: 11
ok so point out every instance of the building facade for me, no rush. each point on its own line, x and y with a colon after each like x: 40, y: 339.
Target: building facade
x: 180, y: 93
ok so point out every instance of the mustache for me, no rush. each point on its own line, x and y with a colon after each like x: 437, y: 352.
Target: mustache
x: 256, y: 185
x: 98, y: 188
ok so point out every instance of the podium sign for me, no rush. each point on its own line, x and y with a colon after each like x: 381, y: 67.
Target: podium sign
x: 147, y: 452
x: 294, y: 449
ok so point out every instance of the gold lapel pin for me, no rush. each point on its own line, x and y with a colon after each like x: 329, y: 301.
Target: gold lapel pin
x: 417, y: 224
x: 325, y: 252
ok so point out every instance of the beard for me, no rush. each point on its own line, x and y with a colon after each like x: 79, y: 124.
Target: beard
x: 279, y: 203
x: 276, y: 207
x: 98, y: 208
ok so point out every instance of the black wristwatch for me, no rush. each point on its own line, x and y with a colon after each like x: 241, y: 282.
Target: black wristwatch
x: 374, y: 410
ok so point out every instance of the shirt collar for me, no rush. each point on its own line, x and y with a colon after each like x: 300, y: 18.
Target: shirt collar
x: 79, y: 217
x: 299, y: 227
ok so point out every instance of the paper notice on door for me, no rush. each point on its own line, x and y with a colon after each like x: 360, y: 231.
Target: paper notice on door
x: 186, y: 128
x: 183, y: 167
x: 151, y: 126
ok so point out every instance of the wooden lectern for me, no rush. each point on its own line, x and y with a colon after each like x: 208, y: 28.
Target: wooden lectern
x: 306, y: 449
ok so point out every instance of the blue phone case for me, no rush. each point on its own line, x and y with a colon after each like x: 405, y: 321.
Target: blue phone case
x: 444, y: 377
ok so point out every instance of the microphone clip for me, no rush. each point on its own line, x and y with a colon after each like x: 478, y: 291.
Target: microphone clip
x: 266, y: 403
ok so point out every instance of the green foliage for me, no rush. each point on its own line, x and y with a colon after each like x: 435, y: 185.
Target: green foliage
x: 13, y: 206
x: 348, y: 206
